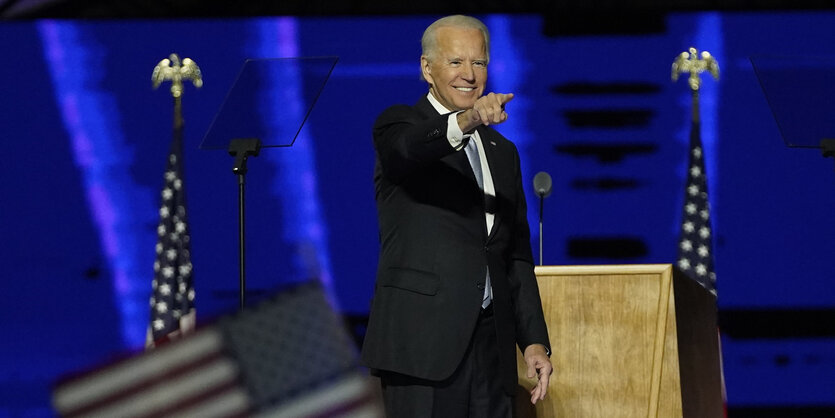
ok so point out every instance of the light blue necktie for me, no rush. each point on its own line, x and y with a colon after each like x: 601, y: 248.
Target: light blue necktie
x: 475, y: 162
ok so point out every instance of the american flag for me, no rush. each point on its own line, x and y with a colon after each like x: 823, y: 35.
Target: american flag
x: 695, y: 252
x: 172, y: 297
x: 289, y: 356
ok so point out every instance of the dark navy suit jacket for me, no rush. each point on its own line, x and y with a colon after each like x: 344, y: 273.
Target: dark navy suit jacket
x: 435, y: 250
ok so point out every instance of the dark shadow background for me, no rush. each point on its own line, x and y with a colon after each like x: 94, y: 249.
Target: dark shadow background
x: 85, y: 138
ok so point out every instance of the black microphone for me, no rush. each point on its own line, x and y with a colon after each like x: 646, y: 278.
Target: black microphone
x: 542, y: 184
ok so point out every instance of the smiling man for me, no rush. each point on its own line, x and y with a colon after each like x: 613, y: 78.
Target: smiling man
x: 455, y: 291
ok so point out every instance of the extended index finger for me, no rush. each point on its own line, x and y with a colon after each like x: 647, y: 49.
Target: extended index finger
x: 504, y: 97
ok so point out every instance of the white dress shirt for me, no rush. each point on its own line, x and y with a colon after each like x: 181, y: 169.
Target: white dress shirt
x: 456, y: 138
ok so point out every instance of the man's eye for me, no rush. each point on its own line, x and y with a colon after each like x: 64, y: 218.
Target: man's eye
x: 480, y: 64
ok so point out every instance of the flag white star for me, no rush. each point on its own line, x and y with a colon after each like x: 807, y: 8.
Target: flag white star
x: 703, y: 251
x: 684, y: 264
x: 170, y: 175
x: 185, y: 269
x: 159, y: 324
x: 690, y: 208
x: 701, y: 270
x: 167, y: 193
x: 163, y: 211
x: 693, y: 190
x: 697, y: 152
x: 687, y: 226
x: 171, y: 254
x: 165, y: 289
x: 161, y: 230
x: 704, y: 232
x: 695, y: 171
x: 162, y: 307
x: 704, y: 214
x: 686, y: 245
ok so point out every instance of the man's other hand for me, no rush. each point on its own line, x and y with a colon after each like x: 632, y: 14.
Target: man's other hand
x: 538, y: 363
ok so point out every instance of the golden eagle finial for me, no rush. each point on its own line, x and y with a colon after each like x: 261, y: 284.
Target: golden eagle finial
x: 690, y: 62
x: 171, y: 69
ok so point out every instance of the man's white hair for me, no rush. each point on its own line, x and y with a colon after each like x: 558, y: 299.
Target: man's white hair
x: 429, y: 41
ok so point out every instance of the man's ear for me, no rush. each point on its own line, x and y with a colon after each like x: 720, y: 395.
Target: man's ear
x: 425, y: 69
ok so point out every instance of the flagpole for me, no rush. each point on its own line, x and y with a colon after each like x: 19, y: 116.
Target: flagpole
x: 695, y: 249
x: 693, y: 63
x: 171, y: 69
x: 172, y: 298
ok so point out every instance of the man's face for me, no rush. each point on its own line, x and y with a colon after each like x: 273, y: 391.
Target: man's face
x: 457, y: 72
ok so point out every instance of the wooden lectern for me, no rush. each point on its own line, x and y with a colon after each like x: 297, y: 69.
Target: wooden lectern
x: 627, y: 341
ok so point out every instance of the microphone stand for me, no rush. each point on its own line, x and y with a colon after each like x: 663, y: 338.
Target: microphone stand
x: 541, y: 207
x: 542, y: 184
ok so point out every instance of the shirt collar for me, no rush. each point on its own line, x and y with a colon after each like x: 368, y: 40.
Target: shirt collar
x: 437, y: 105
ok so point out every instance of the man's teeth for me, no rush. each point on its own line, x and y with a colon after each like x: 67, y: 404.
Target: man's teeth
x: 464, y: 88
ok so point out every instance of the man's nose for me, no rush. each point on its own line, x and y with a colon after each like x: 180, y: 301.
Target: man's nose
x: 467, y: 72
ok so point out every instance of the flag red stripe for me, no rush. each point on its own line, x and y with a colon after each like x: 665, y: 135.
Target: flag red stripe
x: 143, y: 385
x: 185, y: 404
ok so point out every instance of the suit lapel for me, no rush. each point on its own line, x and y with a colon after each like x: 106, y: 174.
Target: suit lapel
x: 457, y: 160
x: 425, y: 108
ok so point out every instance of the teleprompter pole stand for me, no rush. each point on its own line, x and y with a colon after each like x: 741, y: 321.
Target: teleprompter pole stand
x: 242, y: 149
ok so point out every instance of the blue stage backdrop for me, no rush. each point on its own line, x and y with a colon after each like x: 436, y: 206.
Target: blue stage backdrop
x: 85, y: 140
